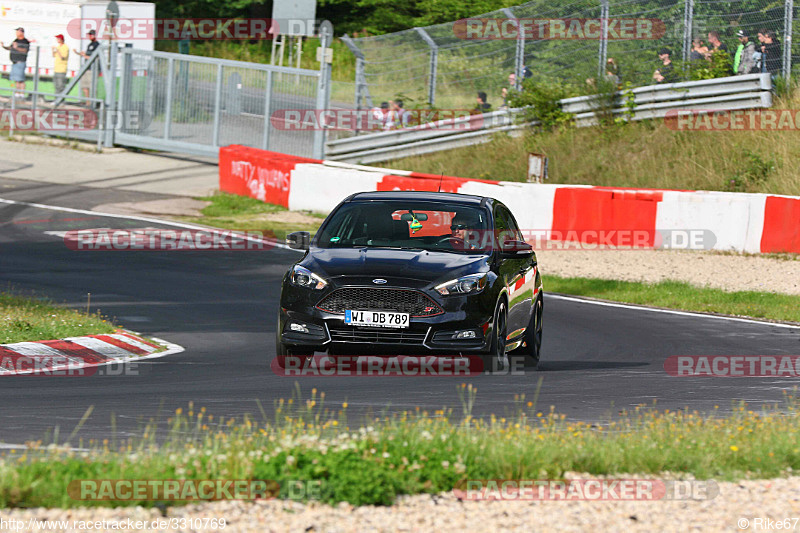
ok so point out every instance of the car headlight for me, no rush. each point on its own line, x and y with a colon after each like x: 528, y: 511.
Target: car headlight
x: 472, y: 284
x: 303, y: 277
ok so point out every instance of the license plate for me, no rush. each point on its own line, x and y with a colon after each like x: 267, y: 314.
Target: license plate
x: 383, y: 319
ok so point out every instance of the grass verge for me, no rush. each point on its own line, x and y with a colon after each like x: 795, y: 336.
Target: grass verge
x: 646, y: 154
x: 683, y: 296
x: 28, y: 319
x: 413, y: 452
x: 231, y: 211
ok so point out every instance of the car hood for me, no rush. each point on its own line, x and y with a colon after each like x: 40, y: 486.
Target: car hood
x: 420, y: 266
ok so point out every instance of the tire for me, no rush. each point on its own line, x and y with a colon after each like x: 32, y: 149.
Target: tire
x: 282, y: 352
x: 532, y: 349
x: 497, y: 358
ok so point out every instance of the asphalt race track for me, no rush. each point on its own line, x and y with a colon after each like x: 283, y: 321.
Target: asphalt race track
x: 221, y: 306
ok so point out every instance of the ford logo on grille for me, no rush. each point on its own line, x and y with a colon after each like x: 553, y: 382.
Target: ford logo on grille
x: 379, y: 281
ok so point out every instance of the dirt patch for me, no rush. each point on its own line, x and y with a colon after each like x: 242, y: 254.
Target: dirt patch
x: 188, y: 207
x: 288, y: 217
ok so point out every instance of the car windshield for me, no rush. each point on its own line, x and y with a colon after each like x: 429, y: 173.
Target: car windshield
x: 413, y: 225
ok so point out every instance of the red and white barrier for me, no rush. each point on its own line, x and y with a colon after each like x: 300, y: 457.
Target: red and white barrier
x: 755, y: 223
x: 76, y: 353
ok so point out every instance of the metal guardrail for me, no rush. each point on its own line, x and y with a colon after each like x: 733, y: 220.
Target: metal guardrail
x: 736, y: 92
x: 655, y: 101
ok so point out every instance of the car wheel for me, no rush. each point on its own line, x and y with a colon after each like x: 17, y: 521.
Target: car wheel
x: 497, y: 359
x: 531, y: 351
x: 282, y: 352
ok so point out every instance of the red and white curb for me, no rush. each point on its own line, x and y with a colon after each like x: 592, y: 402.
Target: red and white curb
x: 77, y: 353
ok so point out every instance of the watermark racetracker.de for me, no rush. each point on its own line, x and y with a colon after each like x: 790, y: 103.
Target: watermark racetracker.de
x: 591, y: 239
x: 735, y: 120
x: 733, y: 365
x: 366, y: 365
x: 617, y: 29
x: 591, y: 489
x: 248, y: 29
x: 155, y: 239
x: 373, y: 119
x: 192, y: 490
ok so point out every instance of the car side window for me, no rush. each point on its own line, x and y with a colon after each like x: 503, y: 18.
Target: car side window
x: 512, y: 225
x: 504, y: 225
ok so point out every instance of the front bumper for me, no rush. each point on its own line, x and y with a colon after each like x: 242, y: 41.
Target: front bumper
x: 425, y: 335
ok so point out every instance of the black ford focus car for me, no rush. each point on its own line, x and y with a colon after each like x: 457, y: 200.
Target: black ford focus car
x: 393, y: 273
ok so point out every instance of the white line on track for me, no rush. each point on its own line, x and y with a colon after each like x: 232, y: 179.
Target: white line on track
x: 285, y: 247
x: 667, y: 311
x: 142, y: 219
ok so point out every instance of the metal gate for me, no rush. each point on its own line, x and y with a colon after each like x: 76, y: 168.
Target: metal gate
x: 192, y: 104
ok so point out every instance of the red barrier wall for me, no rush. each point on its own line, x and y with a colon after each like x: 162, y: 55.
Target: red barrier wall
x: 604, y: 211
x: 258, y: 173
x: 781, y: 225
x: 418, y: 181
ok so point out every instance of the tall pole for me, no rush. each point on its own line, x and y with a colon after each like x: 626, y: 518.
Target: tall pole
x: 519, y: 53
x: 788, y: 13
x: 433, y: 66
x: 603, y: 50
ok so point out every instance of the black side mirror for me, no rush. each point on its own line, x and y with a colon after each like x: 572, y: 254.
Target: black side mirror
x: 515, y: 250
x: 298, y: 240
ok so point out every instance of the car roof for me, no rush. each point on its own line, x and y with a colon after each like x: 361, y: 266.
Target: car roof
x: 448, y: 197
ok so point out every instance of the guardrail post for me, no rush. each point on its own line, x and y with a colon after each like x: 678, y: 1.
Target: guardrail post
x: 322, y: 93
x: 362, y: 90
x: 788, y: 12
x: 13, y: 111
x: 519, y: 54
x: 602, y: 52
x: 688, y: 22
x: 111, y: 97
x: 125, y: 90
x: 168, y: 107
x: 267, y: 110
x: 217, y: 106
x: 434, y: 64
x: 35, y: 96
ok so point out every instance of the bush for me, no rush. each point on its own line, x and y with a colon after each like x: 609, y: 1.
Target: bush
x: 754, y: 172
x: 541, y: 102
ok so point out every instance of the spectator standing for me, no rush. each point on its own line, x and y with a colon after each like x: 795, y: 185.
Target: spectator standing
x: 483, y: 106
x: 713, y: 40
x: 512, y: 86
x: 744, y: 62
x: 771, y: 50
x: 404, y: 117
x: 60, y: 57
x: 720, y: 51
x: 380, y: 115
x: 666, y: 72
x: 86, y: 79
x: 612, y: 72
x: 19, y: 56
x: 760, y: 55
x: 699, y: 51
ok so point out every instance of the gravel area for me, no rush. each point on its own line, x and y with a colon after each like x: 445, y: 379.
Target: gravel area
x: 776, y: 499
x: 704, y: 269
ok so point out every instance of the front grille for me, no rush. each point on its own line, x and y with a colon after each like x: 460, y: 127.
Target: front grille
x: 408, y: 301
x: 376, y: 336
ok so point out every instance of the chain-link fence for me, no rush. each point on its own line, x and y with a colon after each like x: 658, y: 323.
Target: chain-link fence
x: 190, y: 100
x: 442, y: 66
